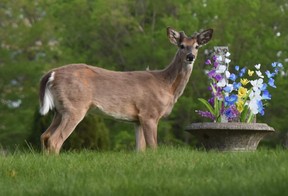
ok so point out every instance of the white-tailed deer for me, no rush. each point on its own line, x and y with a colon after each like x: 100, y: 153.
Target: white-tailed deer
x: 142, y: 97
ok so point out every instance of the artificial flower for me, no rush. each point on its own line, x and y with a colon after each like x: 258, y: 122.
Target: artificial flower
x: 258, y: 66
x: 250, y: 73
x: 244, y: 81
x: 222, y: 83
x: 242, y: 99
x: 233, y: 77
x: 259, y: 74
x: 242, y: 92
x: 269, y: 74
x: 271, y: 82
x: 257, y: 84
x: 240, y: 105
x: 230, y: 100
x: 221, y: 69
x: 266, y: 95
x: 208, y: 62
x: 227, y: 60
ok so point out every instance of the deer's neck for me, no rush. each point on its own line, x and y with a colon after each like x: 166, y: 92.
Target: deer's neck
x: 177, y: 74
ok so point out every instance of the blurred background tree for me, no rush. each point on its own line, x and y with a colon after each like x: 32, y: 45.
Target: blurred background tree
x: 128, y: 35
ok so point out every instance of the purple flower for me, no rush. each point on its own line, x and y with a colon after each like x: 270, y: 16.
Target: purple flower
x: 211, y: 73
x: 231, y: 113
x: 230, y: 100
x: 218, y: 77
x: 206, y: 114
x: 208, y: 62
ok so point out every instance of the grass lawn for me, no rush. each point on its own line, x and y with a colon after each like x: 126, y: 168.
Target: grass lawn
x: 167, y: 171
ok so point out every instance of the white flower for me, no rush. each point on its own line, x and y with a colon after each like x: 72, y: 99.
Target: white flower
x: 222, y: 83
x: 257, y: 84
x: 253, y: 106
x: 259, y: 74
x: 221, y: 69
x: 227, y: 74
x: 219, y: 58
x: 258, y: 66
x: 255, y: 95
x: 227, y: 61
x: 227, y: 54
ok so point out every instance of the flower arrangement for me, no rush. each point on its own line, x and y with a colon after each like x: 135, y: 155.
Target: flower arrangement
x: 239, y: 95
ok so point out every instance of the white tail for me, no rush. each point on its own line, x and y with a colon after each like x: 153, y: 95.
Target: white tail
x: 142, y: 97
x: 48, y: 102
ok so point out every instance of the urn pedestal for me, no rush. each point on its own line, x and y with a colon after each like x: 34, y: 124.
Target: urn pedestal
x: 232, y: 136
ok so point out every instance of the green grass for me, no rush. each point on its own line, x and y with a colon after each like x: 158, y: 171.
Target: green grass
x: 167, y: 171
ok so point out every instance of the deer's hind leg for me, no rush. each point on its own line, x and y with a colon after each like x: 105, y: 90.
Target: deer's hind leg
x: 47, y: 134
x: 69, y: 121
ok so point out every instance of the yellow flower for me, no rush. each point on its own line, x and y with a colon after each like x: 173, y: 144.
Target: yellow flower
x: 250, y: 73
x: 242, y: 92
x: 244, y: 81
x: 240, y: 105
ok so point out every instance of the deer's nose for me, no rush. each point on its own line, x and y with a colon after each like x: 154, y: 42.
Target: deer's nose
x: 190, y: 57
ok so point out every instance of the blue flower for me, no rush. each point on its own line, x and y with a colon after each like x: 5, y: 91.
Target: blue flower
x: 269, y: 74
x: 237, y: 68
x: 271, y: 82
x: 228, y: 89
x: 276, y: 64
x: 233, y: 77
x: 260, y: 107
x: 231, y: 112
x: 266, y: 95
x: 242, y: 71
x: 236, y: 85
x: 264, y: 87
x: 230, y: 100
x: 280, y: 65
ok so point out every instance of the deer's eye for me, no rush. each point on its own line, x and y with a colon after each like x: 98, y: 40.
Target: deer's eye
x: 196, y: 47
x: 182, y: 46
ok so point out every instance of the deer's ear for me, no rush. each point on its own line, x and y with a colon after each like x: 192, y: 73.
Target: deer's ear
x: 174, y: 36
x: 205, y: 36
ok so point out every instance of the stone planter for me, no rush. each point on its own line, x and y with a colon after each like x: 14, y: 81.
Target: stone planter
x: 230, y: 136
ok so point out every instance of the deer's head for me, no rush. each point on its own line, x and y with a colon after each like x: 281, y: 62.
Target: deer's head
x: 188, y: 46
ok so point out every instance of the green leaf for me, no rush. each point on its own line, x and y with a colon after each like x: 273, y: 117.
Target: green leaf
x: 243, y: 116
x: 208, y: 106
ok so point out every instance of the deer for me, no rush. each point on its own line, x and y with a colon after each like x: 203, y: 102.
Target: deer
x: 141, y: 97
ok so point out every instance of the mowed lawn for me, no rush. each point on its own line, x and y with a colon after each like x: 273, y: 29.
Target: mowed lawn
x: 167, y: 171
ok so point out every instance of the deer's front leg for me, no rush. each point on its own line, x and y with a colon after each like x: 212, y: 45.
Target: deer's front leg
x: 140, y: 138
x: 150, y: 132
